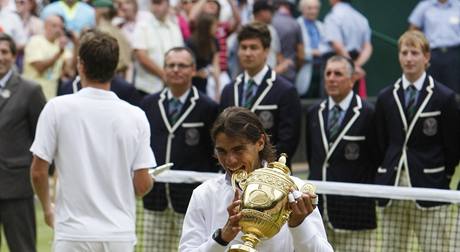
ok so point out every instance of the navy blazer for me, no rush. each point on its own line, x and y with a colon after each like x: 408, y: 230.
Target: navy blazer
x: 428, y: 145
x: 277, y: 105
x: 348, y: 159
x: 187, y: 144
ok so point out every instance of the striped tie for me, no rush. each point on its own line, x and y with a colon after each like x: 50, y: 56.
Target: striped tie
x: 333, y: 122
x: 175, y: 107
x: 411, y: 102
x: 249, y: 93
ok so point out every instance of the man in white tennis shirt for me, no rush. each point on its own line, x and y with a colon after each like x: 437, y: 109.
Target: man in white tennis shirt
x: 101, y: 148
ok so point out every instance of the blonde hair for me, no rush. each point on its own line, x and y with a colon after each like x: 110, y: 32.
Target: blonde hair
x: 414, y: 38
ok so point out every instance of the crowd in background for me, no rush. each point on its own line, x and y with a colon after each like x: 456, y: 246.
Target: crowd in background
x: 145, y: 30
x: 47, y: 38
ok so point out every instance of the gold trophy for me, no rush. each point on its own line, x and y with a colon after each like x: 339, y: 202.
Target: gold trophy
x: 264, y: 205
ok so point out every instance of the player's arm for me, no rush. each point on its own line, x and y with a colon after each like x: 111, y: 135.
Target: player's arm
x: 39, y: 175
x: 143, y: 182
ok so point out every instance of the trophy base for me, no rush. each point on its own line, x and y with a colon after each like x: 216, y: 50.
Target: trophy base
x: 241, y: 248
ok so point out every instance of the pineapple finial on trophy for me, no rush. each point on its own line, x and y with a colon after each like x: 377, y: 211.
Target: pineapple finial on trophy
x: 280, y: 165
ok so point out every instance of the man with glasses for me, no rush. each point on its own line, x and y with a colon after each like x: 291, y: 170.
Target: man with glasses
x: 181, y: 118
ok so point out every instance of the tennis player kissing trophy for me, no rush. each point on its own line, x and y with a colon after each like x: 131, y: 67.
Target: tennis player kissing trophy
x: 264, y: 205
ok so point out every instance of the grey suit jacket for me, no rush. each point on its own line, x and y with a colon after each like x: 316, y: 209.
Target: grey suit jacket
x: 21, y: 102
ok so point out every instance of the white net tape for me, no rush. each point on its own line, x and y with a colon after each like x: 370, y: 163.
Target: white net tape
x: 336, y: 188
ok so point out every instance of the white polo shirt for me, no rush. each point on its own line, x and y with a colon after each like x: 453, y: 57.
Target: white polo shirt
x: 96, y: 141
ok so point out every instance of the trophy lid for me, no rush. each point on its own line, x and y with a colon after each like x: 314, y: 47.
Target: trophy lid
x: 280, y: 165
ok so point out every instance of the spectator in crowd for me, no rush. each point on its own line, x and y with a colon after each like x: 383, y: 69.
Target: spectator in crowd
x: 20, y: 104
x: 440, y: 21
x: 309, y: 76
x: 32, y: 24
x: 8, y: 5
x: 183, y: 9
x: 45, y: 56
x: 181, y: 119
x: 224, y: 28
x: 10, y: 23
x: 291, y: 36
x: 205, y: 47
x: 27, y: 10
x: 245, y: 10
x: 211, y: 221
x: 101, y: 148
x: 339, y: 145
x: 78, y: 15
x: 152, y: 38
x: 263, y: 12
x: 417, y: 129
x: 128, y: 15
x: 105, y: 12
x: 145, y: 5
x: 348, y: 34
x: 261, y: 90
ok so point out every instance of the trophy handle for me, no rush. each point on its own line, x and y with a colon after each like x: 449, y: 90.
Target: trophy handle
x: 239, y: 180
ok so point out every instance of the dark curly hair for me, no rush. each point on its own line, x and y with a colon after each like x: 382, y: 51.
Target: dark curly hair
x: 242, y: 123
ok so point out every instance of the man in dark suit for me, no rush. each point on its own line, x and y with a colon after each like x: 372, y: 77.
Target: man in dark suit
x: 339, y: 136
x: 261, y: 90
x: 418, y: 130
x: 20, y: 104
x: 181, y: 118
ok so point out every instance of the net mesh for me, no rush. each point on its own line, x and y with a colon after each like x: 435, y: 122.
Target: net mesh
x: 357, y: 217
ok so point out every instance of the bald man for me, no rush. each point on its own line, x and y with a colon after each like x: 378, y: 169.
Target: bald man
x: 44, y: 56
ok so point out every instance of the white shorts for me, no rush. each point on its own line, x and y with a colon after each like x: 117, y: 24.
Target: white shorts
x: 85, y: 246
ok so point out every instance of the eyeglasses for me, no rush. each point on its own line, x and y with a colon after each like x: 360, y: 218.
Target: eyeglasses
x: 180, y: 66
x: 20, y: 1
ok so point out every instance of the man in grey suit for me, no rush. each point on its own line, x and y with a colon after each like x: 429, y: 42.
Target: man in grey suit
x: 20, y: 104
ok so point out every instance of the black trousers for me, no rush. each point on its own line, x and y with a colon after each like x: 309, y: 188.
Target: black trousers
x: 445, y: 66
x: 17, y: 218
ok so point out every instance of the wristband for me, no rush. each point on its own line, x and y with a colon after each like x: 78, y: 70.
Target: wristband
x: 217, y: 236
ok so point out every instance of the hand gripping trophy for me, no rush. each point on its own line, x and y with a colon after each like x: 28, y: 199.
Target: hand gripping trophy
x: 264, y: 205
